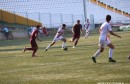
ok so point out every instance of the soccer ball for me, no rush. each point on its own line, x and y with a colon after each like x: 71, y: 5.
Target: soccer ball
x: 65, y: 48
x: 129, y: 57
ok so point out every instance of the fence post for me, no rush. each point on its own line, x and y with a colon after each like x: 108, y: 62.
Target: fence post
x: 50, y: 20
x: 27, y: 18
x: 82, y: 19
x: 14, y: 17
x: 39, y: 16
x: 72, y: 19
x: 84, y: 8
x: 61, y: 19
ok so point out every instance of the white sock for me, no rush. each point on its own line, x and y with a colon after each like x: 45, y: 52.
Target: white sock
x: 86, y: 35
x: 63, y: 44
x: 48, y: 47
x: 97, y: 53
x: 110, y: 53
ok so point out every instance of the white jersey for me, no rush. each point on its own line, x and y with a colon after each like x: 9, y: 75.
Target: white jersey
x: 6, y: 30
x: 59, y: 33
x: 87, y: 26
x: 33, y: 28
x: 104, y: 29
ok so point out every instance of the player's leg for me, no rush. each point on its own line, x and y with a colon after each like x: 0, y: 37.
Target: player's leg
x: 29, y: 48
x: 111, y: 46
x: 24, y: 49
x: 32, y: 45
x: 64, y: 42
x: 53, y: 42
x: 74, y: 37
x: 34, y: 51
x: 87, y: 33
x: 99, y: 51
x: 76, y: 40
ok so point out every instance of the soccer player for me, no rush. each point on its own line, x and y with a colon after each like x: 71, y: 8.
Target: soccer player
x: 33, y: 43
x: 76, y: 30
x: 6, y: 32
x: 104, y: 39
x: 58, y: 37
x: 87, y: 28
x: 45, y: 31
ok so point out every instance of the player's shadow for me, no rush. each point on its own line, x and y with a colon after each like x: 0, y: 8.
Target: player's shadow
x: 88, y: 45
x: 120, y: 45
x: 108, y: 63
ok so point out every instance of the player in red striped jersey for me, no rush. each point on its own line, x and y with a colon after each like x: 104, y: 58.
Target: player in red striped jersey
x: 87, y: 28
x: 33, y: 43
x: 58, y: 37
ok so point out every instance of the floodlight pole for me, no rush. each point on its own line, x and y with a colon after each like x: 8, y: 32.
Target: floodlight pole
x: 84, y: 7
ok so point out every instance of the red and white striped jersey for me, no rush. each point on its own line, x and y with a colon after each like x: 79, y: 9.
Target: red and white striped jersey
x: 87, y: 25
x: 59, y: 33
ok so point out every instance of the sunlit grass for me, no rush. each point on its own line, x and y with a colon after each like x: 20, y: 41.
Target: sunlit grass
x: 64, y: 67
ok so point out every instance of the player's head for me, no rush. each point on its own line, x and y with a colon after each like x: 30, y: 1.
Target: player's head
x: 108, y: 18
x: 44, y: 27
x: 38, y: 26
x: 87, y: 20
x: 78, y: 21
x: 63, y: 26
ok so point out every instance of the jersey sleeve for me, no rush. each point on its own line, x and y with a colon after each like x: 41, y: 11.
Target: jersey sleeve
x: 109, y: 28
x: 81, y: 27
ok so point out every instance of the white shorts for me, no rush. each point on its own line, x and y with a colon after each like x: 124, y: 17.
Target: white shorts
x: 103, y: 43
x: 87, y: 30
x: 57, y: 39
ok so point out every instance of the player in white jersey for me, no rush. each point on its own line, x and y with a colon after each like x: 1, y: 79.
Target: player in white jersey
x: 58, y: 37
x: 105, y: 40
x: 87, y: 28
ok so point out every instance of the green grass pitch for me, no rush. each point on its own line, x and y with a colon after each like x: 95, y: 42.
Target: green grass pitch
x: 57, y: 66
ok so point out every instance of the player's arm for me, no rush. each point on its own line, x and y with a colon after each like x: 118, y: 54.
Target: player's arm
x: 112, y: 33
x: 84, y: 24
x: 81, y: 30
x: 38, y: 37
x: 60, y: 32
x: 73, y: 29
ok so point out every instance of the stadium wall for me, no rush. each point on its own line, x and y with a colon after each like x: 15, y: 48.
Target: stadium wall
x: 14, y: 35
x: 13, y: 18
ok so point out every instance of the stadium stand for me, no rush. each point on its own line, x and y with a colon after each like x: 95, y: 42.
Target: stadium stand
x: 54, y: 12
x: 122, y: 4
x: 111, y: 8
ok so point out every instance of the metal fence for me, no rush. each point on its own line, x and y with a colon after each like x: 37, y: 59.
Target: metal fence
x: 52, y: 20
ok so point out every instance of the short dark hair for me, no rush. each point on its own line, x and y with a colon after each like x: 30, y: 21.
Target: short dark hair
x: 78, y: 20
x: 108, y: 17
x: 38, y: 26
x: 63, y: 25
